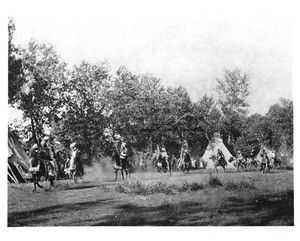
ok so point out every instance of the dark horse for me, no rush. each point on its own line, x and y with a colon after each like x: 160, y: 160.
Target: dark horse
x: 162, y: 163
x: 187, y: 163
x: 120, y: 164
x: 218, y: 161
x: 277, y: 162
x: 43, y: 171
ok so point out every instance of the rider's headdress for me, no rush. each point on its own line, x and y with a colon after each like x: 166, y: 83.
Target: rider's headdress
x: 35, y: 146
x: 73, y: 145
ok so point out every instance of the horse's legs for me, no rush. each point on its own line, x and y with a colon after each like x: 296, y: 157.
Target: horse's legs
x: 75, y: 177
x: 122, y: 174
x: 51, y: 182
x: 37, y: 182
x: 116, y: 172
x: 34, y: 184
x: 224, y: 168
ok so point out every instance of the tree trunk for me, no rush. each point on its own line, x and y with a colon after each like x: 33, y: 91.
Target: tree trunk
x: 34, y: 137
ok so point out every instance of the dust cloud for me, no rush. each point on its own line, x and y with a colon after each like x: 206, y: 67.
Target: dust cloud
x: 99, y: 171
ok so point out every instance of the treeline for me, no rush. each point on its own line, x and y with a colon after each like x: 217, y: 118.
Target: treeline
x: 93, y: 106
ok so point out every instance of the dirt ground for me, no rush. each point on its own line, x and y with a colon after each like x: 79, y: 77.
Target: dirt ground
x: 94, y: 201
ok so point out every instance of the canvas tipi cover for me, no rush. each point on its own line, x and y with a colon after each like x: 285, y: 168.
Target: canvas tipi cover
x: 212, y: 148
x: 18, y: 160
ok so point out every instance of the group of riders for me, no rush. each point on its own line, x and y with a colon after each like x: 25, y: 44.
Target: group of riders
x: 267, y: 161
x: 164, y: 163
x: 45, y: 163
x: 185, y: 163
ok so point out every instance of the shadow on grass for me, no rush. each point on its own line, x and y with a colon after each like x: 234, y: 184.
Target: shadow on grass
x: 262, y: 210
x: 39, y: 216
x: 259, y: 211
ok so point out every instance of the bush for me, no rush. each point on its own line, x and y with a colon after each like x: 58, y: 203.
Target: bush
x: 196, y: 186
x: 139, y: 188
x: 161, y: 187
x: 120, y: 188
x: 231, y: 186
x: 183, y: 188
x: 242, y: 185
x: 214, y: 182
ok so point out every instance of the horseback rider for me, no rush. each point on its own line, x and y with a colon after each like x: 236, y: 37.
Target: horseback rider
x: 187, y: 159
x: 123, y: 155
x: 173, y: 162
x: 273, y: 156
x: 75, y: 162
x: 264, y: 160
x: 164, y: 159
x: 239, y: 157
x: 34, y: 158
x: 253, y: 162
x: 48, y: 153
x: 220, y: 155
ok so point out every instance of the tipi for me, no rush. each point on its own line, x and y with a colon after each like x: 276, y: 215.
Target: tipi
x: 214, y: 144
x: 18, y: 161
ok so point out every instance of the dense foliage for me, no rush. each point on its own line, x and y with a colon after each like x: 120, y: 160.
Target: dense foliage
x: 89, y: 104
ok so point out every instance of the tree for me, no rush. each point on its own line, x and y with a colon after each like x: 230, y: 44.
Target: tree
x: 84, y: 107
x: 254, y: 134
x: 205, y: 124
x: 15, y: 80
x: 280, y: 120
x: 43, y: 73
x: 233, y: 91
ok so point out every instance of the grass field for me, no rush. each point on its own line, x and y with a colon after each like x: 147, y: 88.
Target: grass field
x: 244, y: 198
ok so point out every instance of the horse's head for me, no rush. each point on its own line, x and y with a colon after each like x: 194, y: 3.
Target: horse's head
x: 115, y: 155
x: 231, y: 159
x: 213, y: 157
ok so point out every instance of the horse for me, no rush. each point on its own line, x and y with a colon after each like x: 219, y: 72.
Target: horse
x: 277, y: 162
x: 185, y: 163
x: 173, y: 163
x: 43, y: 171
x: 239, y: 163
x: 253, y: 163
x: 73, y: 168
x: 61, y: 163
x: 162, y: 163
x: 218, y: 161
x: 195, y: 164
x: 265, y: 164
x: 120, y: 164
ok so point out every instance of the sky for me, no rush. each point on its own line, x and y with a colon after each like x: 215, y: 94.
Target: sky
x: 189, y: 46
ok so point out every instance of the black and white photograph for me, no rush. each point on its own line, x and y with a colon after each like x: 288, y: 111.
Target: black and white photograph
x: 149, y: 113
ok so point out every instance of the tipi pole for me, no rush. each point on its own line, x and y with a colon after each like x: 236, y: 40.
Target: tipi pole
x: 12, y: 173
x: 14, y: 179
x: 11, y: 177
